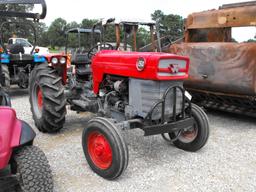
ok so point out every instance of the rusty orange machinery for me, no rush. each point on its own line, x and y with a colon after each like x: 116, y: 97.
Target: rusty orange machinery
x: 215, y: 25
x: 222, y: 72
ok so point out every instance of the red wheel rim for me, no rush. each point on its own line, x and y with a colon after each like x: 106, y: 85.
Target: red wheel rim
x: 189, y: 135
x: 39, y: 98
x: 99, y: 150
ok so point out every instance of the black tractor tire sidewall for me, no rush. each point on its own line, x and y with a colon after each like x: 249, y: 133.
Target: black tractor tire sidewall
x: 119, y: 148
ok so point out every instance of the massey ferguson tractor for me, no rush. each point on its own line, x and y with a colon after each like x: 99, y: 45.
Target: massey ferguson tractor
x: 23, y: 167
x: 127, y: 90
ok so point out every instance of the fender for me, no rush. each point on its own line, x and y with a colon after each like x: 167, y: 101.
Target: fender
x: 10, y: 132
x: 13, y: 134
x: 27, y: 134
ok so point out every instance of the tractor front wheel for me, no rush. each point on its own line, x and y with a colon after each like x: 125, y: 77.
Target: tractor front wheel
x: 104, y: 148
x: 47, y: 100
x: 195, y: 137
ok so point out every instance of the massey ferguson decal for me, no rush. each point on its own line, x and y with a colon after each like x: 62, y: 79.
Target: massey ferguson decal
x: 174, y: 68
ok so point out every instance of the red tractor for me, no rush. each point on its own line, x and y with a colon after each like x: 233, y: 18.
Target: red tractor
x: 127, y: 90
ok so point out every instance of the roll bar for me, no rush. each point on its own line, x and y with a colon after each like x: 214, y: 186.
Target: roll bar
x: 35, y: 16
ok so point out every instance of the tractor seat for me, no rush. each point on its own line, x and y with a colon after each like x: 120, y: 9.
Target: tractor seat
x: 16, y: 49
x: 79, y: 58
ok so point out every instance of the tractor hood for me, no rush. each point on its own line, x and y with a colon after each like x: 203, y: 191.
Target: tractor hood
x: 140, y: 65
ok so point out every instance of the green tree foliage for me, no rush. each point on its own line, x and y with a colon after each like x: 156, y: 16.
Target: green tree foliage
x: 88, y: 23
x: 143, y: 37
x: 251, y: 41
x: 56, y: 32
x: 10, y: 30
x: 54, y: 35
x: 171, y: 25
x: 42, y: 38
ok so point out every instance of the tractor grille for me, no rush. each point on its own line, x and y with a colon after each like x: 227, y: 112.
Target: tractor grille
x: 165, y: 64
x: 144, y: 94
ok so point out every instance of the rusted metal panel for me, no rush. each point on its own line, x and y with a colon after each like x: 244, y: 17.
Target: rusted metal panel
x: 235, y: 5
x: 118, y: 32
x: 220, y: 67
x: 209, y: 35
x: 222, y: 74
x: 232, y: 17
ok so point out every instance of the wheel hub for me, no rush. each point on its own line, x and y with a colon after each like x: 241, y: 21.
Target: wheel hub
x: 99, y: 150
x: 188, y: 136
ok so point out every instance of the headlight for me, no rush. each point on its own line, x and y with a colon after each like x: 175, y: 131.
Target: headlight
x: 54, y: 60
x: 141, y: 63
x: 63, y: 60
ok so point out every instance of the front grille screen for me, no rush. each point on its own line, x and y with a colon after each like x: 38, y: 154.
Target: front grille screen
x: 143, y: 94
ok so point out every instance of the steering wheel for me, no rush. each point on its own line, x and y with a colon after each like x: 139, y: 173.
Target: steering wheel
x: 103, y: 46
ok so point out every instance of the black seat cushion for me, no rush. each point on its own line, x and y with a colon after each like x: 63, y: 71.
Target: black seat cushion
x: 16, y: 49
x: 80, y: 58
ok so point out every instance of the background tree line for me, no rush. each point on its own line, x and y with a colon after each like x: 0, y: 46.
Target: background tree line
x: 54, y: 35
x: 171, y: 25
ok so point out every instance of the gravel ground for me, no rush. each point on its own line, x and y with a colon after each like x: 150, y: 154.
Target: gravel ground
x: 226, y: 163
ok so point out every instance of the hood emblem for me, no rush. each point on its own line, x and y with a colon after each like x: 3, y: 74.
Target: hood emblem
x: 174, y: 68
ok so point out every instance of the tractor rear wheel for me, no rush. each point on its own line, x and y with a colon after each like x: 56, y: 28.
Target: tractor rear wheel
x: 33, y: 170
x: 6, y: 74
x: 104, y: 148
x: 47, y: 100
x: 196, y: 137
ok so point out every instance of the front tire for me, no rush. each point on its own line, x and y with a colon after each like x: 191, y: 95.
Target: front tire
x: 33, y: 170
x: 195, y: 138
x: 47, y: 100
x: 104, y: 148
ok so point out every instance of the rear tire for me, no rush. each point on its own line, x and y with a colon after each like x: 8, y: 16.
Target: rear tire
x: 33, y: 170
x: 47, y: 100
x: 104, y: 148
x: 194, y: 139
x: 6, y: 74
